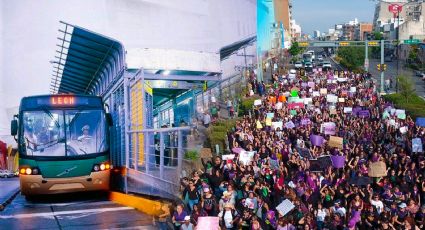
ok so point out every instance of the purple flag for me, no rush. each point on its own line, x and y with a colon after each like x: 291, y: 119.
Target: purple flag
x: 290, y: 125
x: 356, y: 110
x: 304, y: 84
x: 338, y: 161
x: 316, y: 140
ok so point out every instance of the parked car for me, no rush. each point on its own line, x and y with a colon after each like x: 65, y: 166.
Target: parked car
x: 6, y: 173
x: 308, y: 66
x: 298, y: 64
x: 327, y: 64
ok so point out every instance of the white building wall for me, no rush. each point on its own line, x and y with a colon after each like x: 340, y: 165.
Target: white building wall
x: 193, y: 25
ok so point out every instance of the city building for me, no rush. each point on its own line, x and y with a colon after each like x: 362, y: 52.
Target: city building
x: 362, y: 30
x: 295, y: 30
x: 316, y: 34
x: 410, y: 20
x: 283, y: 16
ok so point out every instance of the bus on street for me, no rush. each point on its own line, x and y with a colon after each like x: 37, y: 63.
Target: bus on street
x: 63, y: 144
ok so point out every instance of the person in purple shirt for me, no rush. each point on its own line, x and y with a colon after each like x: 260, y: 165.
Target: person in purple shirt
x: 178, y: 216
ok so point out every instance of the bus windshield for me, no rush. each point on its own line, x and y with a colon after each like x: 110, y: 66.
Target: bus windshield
x: 64, y: 132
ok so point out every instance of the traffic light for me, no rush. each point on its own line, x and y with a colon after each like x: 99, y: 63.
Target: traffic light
x: 381, y: 67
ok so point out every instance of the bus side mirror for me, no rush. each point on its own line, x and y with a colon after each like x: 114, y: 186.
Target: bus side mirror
x: 14, y: 127
x: 109, y: 119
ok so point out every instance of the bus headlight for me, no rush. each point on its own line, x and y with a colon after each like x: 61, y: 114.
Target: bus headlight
x: 102, y: 167
x: 28, y: 171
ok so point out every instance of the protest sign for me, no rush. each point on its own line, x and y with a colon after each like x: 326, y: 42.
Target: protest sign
x: 310, y: 84
x: 277, y: 124
x: 341, y: 99
x: 259, y: 125
x: 290, y: 125
x: 420, y: 121
x: 331, y: 98
x: 417, y: 145
x: 228, y: 156
x: 293, y: 112
x: 268, y: 122
x: 320, y: 164
x: 329, y: 128
x: 341, y: 79
x: 348, y: 109
x: 338, y: 161
x: 353, y: 89
x: 400, y: 111
x: 295, y: 105
x: 237, y: 150
x: 270, y: 115
x: 294, y: 93
x: 213, y: 99
x: 246, y: 156
x: 205, y: 153
x: 364, y: 113
x: 279, y: 105
x: 293, y: 99
x: 305, y: 121
x: 401, y: 116
x: 336, y: 142
x: 323, y: 91
x: 377, y: 169
x: 316, y: 94
x: 308, y: 100
x: 257, y: 102
x: 208, y: 222
x: 385, y: 115
x: 316, y: 140
x: 285, y: 207
x: 403, y: 129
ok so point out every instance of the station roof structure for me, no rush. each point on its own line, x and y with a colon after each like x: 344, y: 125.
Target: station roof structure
x: 85, y: 61
x: 228, y: 50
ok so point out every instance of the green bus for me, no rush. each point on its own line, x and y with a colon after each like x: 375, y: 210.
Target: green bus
x: 63, y: 144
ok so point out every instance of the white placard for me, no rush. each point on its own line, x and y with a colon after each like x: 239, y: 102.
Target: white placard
x: 227, y: 157
x: 278, y: 105
x: 257, y: 102
x: 308, y: 100
x: 332, y: 98
x: 277, y: 124
x: 285, y: 207
x: 245, y: 157
x: 316, y: 94
x: 348, y: 109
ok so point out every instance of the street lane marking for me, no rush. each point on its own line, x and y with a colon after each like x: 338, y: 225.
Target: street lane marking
x: 52, y: 214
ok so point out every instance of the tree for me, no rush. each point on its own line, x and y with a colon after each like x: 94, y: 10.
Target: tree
x: 351, y: 57
x: 295, y: 49
x: 406, y: 87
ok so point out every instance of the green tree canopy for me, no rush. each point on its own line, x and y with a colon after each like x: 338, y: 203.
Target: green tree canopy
x: 351, y: 57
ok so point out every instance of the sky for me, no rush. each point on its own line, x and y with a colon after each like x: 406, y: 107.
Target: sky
x: 324, y: 14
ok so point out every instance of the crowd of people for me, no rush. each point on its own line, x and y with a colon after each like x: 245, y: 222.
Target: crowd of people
x: 281, y: 186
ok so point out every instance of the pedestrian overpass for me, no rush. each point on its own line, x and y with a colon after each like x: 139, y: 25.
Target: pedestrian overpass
x: 152, y: 97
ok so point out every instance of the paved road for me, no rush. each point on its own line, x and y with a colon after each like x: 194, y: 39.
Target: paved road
x: 8, y: 187
x: 392, y: 73
x: 76, y: 211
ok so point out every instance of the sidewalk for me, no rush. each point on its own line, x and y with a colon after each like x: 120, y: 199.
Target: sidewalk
x: 9, y: 187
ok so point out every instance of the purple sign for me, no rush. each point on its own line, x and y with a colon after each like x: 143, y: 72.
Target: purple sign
x: 356, y: 110
x: 305, y: 121
x: 329, y: 128
x: 338, y: 161
x: 364, y: 113
x: 316, y: 140
x: 304, y: 84
x: 290, y: 125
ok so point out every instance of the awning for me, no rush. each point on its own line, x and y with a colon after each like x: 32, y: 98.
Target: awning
x: 228, y: 50
x: 86, y: 62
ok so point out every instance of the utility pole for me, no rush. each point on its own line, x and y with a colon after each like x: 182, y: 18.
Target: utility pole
x: 382, y: 64
x: 398, y: 51
x: 366, y: 58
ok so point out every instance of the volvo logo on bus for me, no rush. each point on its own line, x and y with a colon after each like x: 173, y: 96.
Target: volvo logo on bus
x: 62, y: 100
x: 66, y: 171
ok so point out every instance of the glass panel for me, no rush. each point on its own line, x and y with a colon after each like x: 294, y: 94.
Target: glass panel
x: 44, y: 133
x: 86, y: 132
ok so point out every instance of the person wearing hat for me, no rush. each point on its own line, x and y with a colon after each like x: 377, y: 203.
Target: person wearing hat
x: 187, y: 225
x: 209, y: 203
x: 228, y: 217
x: 339, y: 209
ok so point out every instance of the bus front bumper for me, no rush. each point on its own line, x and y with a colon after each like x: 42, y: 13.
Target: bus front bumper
x: 37, y: 185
